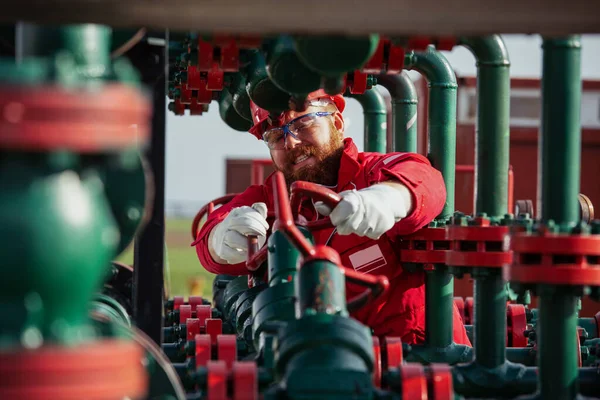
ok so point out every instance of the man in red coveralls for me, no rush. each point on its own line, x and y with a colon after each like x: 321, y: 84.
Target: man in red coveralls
x: 384, y: 196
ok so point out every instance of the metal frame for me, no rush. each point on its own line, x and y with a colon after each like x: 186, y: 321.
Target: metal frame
x: 458, y: 17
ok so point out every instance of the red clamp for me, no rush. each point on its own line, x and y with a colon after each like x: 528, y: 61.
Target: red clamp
x: 478, y: 245
x: 573, y: 259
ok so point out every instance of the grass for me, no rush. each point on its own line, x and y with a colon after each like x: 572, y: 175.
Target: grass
x: 182, y: 268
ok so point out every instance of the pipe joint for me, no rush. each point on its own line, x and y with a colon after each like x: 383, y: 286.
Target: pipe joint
x: 434, y: 66
x: 489, y: 51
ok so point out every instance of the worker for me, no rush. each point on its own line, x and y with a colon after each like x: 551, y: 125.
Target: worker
x: 384, y: 197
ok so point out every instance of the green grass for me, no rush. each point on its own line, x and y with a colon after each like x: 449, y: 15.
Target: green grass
x: 182, y: 264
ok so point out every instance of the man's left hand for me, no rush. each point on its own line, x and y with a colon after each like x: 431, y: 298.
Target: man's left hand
x: 371, y: 211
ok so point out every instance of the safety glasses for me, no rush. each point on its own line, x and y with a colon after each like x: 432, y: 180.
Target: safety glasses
x: 301, y: 128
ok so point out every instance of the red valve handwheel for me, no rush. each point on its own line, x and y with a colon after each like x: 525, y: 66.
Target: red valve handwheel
x: 376, y: 285
x: 185, y: 312
x: 469, y: 307
x: 203, y: 351
x: 203, y: 312
x: 195, y: 301
x: 227, y: 349
x: 214, y: 327
x: 245, y: 380
x: 440, y: 382
x: 177, y: 302
x: 192, y: 326
x: 207, y: 209
x: 414, y: 381
x: 516, y: 325
x: 300, y: 190
x: 392, y: 352
x: 377, y: 365
x: 217, y: 380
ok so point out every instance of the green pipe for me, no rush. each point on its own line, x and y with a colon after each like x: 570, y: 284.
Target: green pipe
x: 439, y: 287
x: 560, y: 139
x: 375, y: 113
x: 439, y: 295
x: 560, y: 148
x: 491, y: 194
x: 493, y: 123
x: 557, y: 359
x: 442, y: 116
x: 404, y: 110
x: 490, y: 318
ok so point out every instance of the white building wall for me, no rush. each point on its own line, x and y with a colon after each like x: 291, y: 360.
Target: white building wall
x: 197, y: 147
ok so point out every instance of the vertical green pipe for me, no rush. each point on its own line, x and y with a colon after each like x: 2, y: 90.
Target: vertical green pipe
x: 439, y: 286
x: 439, y: 297
x: 491, y: 191
x: 557, y: 360
x: 492, y: 132
x: 375, y: 113
x: 560, y: 141
x: 441, y: 116
x: 490, y: 326
x: 560, y: 147
x: 404, y: 110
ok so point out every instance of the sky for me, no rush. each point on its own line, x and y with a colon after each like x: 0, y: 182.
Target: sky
x: 198, y: 146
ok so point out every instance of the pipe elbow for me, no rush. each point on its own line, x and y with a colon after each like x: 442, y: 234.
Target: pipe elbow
x: 488, y: 50
x: 371, y: 100
x: 401, y: 87
x: 434, y: 66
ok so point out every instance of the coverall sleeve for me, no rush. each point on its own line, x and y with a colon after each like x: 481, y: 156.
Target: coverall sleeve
x: 254, y: 194
x: 425, y: 183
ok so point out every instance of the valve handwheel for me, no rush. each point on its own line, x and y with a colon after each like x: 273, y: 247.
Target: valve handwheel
x: 300, y: 190
x: 516, y: 325
x: 203, y: 351
x: 207, y: 209
x: 377, y: 370
x: 376, y: 285
x: 244, y: 375
x: 227, y: 349
x: 217, y: 380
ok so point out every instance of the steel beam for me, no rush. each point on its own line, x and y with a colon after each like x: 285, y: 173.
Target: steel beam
x: 433, y: 17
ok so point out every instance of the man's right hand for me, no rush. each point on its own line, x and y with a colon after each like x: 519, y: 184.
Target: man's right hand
x: 229, y: 239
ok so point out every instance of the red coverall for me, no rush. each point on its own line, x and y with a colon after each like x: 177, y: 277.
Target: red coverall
x: 402, y: 310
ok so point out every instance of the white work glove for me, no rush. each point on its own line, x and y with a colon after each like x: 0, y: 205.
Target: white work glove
x: 230, y: 238
x: 368, y: 212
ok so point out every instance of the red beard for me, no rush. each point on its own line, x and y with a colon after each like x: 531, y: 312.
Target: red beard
x: 327, y: 162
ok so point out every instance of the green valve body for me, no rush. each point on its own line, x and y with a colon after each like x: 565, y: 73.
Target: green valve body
x: 58, y: 237
x: 240, y: 99
x: 286, y: 70
x: 334, y: 56
x: 261, y: 90
x: 229, y: 114
x: 276, y: 303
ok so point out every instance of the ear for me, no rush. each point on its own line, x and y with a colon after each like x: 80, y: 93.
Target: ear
x: 338, y: 121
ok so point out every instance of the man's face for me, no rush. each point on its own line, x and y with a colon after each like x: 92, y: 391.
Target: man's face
x: 315, y: 155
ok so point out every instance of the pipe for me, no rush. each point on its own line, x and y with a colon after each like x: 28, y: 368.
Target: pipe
x: 439, y: 286
x: 404, y: 110
x: 375, y: 113
x: 560, y: 148
x: 441, y: 116
x: 491, y: 190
